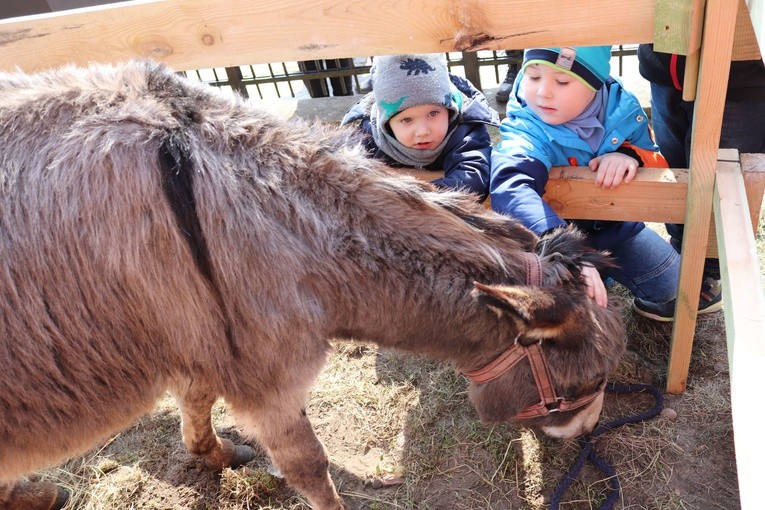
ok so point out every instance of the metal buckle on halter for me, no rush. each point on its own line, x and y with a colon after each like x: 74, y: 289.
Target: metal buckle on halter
x: 554, y: 407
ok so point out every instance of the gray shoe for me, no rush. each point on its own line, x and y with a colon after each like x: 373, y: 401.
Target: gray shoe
x: 710, y: 301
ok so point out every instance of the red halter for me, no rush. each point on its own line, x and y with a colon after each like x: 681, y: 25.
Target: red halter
x: 550, y: 402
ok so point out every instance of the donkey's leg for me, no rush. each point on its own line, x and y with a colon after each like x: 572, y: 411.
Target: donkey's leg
x: 299, y: 455
x: 32, y: 496
x: 195, y: 401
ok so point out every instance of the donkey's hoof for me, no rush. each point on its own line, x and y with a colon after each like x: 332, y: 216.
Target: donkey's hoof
x: 61, y: 499
x: 242, y: 455
x: 228, y: 455
x: 34, y: 496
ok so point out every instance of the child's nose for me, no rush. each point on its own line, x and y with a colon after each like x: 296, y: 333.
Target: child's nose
x: 544, y: 89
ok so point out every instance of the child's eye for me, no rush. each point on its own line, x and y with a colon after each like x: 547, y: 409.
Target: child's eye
x: 405, y: 120
x: 532, y: 78
x: 434, y: 113
x: 563, y: 83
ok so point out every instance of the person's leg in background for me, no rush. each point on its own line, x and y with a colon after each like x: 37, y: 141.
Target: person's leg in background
x: 513, y: 67
x: 743, y: 127
x: 316, y: 87
x: 341, y: 85
x: 363, y: 81
x: 672, y: 120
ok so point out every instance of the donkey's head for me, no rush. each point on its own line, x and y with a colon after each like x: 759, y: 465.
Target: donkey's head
x: 561, y: 348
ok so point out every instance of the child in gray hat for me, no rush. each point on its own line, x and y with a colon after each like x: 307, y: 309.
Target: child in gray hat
x: 418, y: 115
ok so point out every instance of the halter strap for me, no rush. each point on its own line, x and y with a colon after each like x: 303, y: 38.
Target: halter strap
x: 499, y: 366
x: 533, y: 269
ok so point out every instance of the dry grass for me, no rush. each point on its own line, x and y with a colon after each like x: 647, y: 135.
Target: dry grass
x: 381, y: 414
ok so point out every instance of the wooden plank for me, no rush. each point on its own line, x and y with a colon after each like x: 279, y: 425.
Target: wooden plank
x: 745, y: 46
x: 677, y: 26
x: 719, y: 26
x: 690, y: 80
x: 744, y: 303
x: 191, y: 34
x: 753, y: 168
x: 656, y: 195
x: 756, y: 9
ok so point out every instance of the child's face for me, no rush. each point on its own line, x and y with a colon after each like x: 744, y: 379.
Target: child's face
x: 556, y: 97
x: 421, y: 127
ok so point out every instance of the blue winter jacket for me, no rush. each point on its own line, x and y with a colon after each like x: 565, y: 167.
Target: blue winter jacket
x: 529, y: 148
x: 466, y: 157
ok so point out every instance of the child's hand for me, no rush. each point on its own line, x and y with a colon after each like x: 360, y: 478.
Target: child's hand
x: 596, y: 289
x: 613, y: 169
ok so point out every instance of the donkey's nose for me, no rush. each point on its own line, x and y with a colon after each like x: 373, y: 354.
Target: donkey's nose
x: 580, y: 424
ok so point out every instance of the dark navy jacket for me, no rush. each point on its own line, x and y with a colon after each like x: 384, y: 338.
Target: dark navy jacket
x: 465, y: 159
x: 746, y: 82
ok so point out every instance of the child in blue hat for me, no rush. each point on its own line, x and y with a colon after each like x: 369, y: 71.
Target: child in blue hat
x: 566, y: 109
x: 418, y: 115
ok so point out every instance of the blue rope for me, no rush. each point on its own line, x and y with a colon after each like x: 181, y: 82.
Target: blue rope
x: 588, y: 450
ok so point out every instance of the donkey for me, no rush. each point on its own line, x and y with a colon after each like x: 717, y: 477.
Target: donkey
x: 157, y: 234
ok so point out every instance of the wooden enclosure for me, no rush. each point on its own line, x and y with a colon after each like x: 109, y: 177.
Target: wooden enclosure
x: 191, y: 34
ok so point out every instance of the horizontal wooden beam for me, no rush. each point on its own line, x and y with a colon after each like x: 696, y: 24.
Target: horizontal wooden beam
x: 657, y: 195
x: 193, y: 34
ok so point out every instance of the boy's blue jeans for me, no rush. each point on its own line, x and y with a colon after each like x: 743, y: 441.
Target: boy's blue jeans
x: 743, y: 128
x: 648, y: 266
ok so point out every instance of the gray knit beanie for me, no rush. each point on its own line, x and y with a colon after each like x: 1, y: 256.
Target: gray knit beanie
x: 402, y: 81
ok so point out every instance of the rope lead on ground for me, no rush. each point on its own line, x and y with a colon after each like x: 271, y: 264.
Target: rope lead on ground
x: 588, y: 449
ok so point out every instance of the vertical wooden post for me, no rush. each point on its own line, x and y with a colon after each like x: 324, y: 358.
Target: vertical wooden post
x: 716, y: 50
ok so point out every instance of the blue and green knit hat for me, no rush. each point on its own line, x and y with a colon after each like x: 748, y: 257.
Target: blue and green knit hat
x: 589, y: 64
x: 402, y: 81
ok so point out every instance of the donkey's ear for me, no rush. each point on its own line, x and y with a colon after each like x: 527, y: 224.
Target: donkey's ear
x: 535, y: 311
x: 516, y: 301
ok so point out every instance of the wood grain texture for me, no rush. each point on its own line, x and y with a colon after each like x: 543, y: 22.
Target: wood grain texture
x: 744, y: 325
x: 719, y: 26
x: 745, y: 42
x: 756, y: 10
x: 194, y: 34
